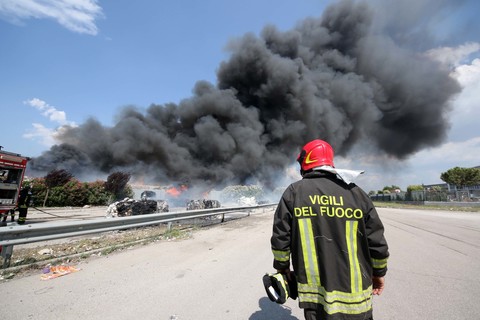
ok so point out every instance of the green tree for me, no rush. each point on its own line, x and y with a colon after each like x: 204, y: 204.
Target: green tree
x: 414, y: 187
x: 117, y: 184
x: 391, y: 188
x: 56, y: 178
x: 461, y: 177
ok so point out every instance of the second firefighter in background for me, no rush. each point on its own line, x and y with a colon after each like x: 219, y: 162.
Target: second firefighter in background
x: 25, y: 199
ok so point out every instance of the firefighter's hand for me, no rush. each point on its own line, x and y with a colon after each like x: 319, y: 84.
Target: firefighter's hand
x: 283, y: 271
x: 378, y: 285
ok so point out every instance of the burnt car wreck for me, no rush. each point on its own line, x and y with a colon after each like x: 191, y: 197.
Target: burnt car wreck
x: 131, y: 207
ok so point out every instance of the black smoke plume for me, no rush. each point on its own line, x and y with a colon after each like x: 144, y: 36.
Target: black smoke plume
x: 335, y: 78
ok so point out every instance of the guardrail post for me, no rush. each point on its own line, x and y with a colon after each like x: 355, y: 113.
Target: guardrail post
x: 169, y: 226
x: 7, y: 252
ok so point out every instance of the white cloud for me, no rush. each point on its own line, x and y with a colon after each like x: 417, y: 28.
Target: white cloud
x: 49, y: 111
x: 46, y: 136
x: 466, y: 112
x: 425, y: 167
x: 75, y: 15
x: 451, y: 154
x: 453, y: 56
x: 468, y: 74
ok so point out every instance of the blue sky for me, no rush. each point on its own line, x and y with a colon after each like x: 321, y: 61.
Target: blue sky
x: 62, y: 62
x: 120, y: 53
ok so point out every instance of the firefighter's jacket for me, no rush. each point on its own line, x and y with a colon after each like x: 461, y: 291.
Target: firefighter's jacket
x: 335, y: 239
x: 24, y: 198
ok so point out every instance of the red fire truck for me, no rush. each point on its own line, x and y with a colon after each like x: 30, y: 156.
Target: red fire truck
x: 12, y: 171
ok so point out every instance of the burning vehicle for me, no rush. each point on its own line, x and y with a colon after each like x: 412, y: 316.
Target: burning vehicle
x: 148, y: 195
x: 131, y: 207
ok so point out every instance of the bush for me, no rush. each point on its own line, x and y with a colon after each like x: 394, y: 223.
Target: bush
x: 96, y: 193
x: 73, y: 193
x: 117, y: 185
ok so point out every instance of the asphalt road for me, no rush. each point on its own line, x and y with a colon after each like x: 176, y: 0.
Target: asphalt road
x: 216, y: 274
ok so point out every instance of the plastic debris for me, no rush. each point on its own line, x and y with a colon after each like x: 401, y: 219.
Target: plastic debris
x: 7, y: 276
x: 53, y: 272
x: 45, y: 252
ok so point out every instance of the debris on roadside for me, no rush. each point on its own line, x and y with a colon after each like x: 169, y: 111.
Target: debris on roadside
x: 247, y: 201
x: 53, y: 272
x: 7, y: 276
x: 45, y: 252
x: 131, y: 207
x: 202, y: 204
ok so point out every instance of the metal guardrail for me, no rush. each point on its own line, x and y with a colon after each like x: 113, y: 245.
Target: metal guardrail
x: 15, y: 235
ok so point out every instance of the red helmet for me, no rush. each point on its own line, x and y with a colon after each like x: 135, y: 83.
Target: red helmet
x: 316, y: 153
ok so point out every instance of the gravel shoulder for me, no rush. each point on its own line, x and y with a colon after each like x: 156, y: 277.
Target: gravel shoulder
x: 29, y: 258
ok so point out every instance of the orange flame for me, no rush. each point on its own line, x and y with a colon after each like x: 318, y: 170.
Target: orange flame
x: 175, y: 192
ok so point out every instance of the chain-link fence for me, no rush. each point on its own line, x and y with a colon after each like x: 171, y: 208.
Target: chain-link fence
x: 431, y: 196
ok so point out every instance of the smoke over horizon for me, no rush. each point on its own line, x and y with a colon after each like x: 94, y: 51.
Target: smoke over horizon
x: 335, y: 78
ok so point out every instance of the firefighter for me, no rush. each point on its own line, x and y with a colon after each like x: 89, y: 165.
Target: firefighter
x: 327, y: 228
x: 24, y: 201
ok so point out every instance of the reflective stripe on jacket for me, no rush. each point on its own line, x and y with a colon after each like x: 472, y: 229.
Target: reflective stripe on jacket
x: 336, y: 242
